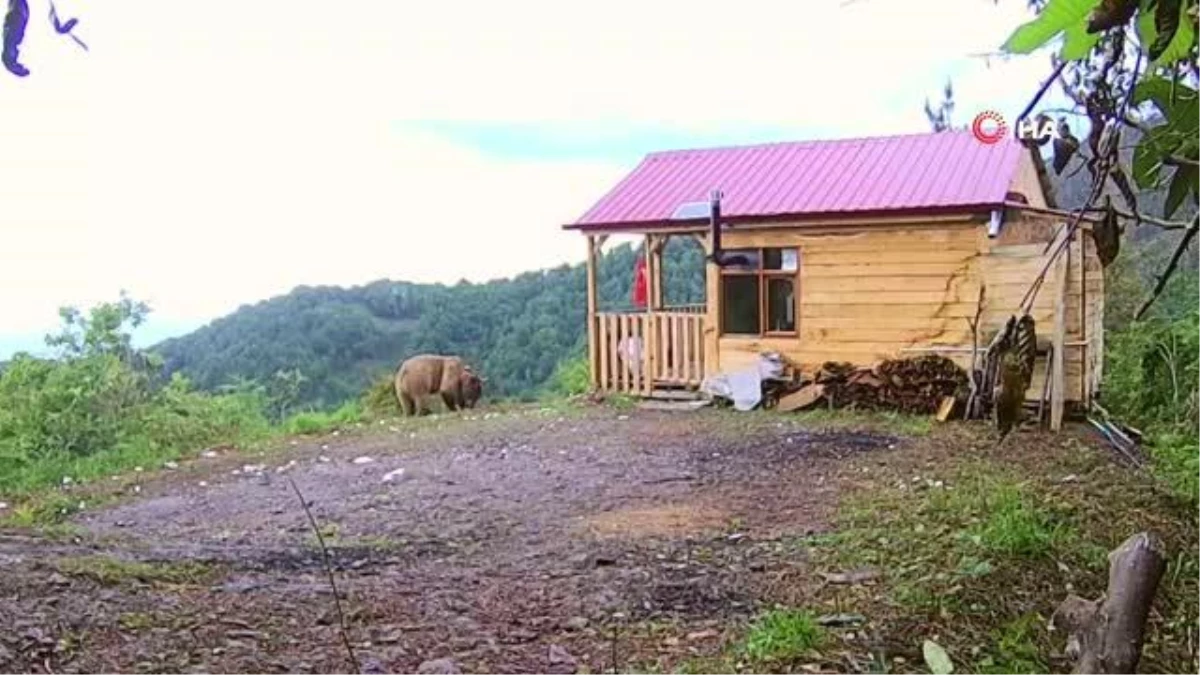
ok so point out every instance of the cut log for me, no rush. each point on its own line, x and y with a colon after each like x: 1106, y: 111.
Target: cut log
x: 946, y: 408
x: 1105, y: 635
x: 803, y: 398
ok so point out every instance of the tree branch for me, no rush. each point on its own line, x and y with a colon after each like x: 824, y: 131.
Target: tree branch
x: 1176, y: 160
x: 1139, y: 217
x: 337, y: 600
x: 1166, y: 275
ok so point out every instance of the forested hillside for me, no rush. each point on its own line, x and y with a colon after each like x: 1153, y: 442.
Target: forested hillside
x: 515, y: 330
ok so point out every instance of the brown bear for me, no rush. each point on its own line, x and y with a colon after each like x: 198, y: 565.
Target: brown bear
x: 427, y: 374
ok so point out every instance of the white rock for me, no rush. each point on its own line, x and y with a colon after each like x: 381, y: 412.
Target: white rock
x: 294, y: 443
x: 362, y: 460
x: 137, y: 469
x: 412, y: 434
x: 393, y: 475
x: 203, y: 483
x: 336, y: 433
x: 325, y: 446
x: 622, y: 417
x: 323, y: 459
x: 252, y: 468
x: 171, y: 465
x: 137, y: 488
x: 3, y: 505
x: 209, y: 454
x: 67, y: 480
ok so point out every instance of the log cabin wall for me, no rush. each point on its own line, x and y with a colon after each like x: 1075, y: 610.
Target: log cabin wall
x: 874, y: 292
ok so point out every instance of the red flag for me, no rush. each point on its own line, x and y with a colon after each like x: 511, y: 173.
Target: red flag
x: 639, y: 282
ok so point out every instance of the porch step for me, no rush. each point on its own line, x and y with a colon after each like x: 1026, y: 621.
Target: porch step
x: 672, y: 406
x: 675, y: 395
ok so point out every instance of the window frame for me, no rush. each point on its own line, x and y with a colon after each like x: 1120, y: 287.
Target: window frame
x: 763, y: 276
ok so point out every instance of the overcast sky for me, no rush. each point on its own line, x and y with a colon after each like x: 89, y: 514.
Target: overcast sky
x: 205, y: 159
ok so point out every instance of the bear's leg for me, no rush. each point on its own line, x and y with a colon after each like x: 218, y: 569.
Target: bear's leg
x: 448, y: 399
x: 408, y: 405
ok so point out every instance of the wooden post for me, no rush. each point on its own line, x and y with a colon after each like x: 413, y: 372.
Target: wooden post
x: 1058, y: 339
x: 593, y: 348
x: 656, y: 299
x: 712, y: 313
x: 651, y: 344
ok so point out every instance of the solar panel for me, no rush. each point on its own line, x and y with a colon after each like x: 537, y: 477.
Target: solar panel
x: 688, y: 210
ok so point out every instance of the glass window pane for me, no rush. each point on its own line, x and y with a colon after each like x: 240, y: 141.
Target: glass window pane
x: 741, y: 259
x: 783, y: 259
x: 781, y: 305
x: 739, y: 305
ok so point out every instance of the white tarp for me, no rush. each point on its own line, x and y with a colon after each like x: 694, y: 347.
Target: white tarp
x: 744, y: 387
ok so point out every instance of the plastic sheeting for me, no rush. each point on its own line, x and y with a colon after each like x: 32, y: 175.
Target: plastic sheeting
x: 744, y: 387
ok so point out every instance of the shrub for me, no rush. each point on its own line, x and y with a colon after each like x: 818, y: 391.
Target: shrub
x: 379, y: 399
x: 571, y: 377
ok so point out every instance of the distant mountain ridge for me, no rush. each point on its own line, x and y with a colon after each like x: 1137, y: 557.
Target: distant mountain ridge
x: 515, y: 330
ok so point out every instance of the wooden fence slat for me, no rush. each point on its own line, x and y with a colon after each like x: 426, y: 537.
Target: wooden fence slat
x: 636, y: 364
x: 687, y: 348
x: 610, y: 349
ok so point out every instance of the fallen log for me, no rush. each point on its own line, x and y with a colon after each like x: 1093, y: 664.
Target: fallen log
x: 1105, y: 635
x: 802, y: 398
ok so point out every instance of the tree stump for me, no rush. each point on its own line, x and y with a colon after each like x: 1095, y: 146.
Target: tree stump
x: 1105, y: 635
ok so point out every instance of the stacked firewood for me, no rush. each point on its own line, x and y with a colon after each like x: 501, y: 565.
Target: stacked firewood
x: 920, y: 385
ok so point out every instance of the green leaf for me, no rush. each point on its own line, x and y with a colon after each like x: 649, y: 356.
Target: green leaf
x: 1176, y: 103
x: 1077, y: 42
x: 1182, y: 184
x: 937, y: 659
x: 1181, y: 30
x: 1057, y: 16
x: 1144, y: 25
x: 1147, y: 157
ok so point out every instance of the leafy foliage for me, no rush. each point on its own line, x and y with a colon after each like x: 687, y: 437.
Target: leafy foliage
x: 514, y: 331
x: 782, y: 634
x: 102, y: 403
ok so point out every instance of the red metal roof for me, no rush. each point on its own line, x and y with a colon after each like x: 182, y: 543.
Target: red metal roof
x: 920, y: 172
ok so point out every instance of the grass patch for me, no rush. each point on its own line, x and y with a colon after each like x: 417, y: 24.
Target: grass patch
x: 883, y: 421
x: 1015, y: 525
x: 782, y: 634
x: 976, y: 545
x: 109, y: 571
x: 323, y: 422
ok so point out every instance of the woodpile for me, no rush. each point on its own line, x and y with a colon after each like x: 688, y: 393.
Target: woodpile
x: 918, y: 385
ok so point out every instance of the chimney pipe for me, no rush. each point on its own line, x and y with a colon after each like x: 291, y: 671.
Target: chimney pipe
x: 714, y: 221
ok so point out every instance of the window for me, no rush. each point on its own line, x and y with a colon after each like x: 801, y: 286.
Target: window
x: 758, y: 291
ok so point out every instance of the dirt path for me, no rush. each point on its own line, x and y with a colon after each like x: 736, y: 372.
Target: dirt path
x: 516, y: 543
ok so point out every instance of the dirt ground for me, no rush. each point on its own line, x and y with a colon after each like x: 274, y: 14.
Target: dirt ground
x: 521, y: 542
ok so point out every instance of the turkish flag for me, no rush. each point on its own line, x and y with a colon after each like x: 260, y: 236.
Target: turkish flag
x: 639, y: 282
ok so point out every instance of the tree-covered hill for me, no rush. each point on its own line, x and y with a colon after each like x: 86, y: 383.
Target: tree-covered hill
x: 515, y: 330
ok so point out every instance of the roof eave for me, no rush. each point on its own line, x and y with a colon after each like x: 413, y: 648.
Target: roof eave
x: 788, y: 218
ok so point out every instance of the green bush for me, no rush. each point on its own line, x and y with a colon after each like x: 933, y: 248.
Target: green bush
x: 571, y: 377
x: 1151, y: 373
x: 379, y: 399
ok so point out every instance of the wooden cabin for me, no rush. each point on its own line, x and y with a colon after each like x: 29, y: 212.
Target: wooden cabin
x: 846, y: 250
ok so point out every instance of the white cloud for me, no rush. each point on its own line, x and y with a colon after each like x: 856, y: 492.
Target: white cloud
x: 203, y: 155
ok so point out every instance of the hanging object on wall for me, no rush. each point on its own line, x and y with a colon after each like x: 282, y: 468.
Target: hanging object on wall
x: 639, y: 281
x: 1107, y: 235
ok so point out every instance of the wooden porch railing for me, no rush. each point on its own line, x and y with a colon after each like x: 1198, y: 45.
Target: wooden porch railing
x: 635, y: 351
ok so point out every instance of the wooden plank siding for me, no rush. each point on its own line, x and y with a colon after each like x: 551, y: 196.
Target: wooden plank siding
x: 876, y: 293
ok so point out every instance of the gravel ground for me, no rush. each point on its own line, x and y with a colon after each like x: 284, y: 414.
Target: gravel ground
x: 522, y: 542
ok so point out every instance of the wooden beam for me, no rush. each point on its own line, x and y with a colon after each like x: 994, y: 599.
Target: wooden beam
x: 652, y: 304
x: 593, y: 348
x: 654, y: 264
x: 1058, y: 335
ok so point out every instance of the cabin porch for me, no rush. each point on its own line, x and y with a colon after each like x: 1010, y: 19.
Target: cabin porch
x: 657, y: 351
